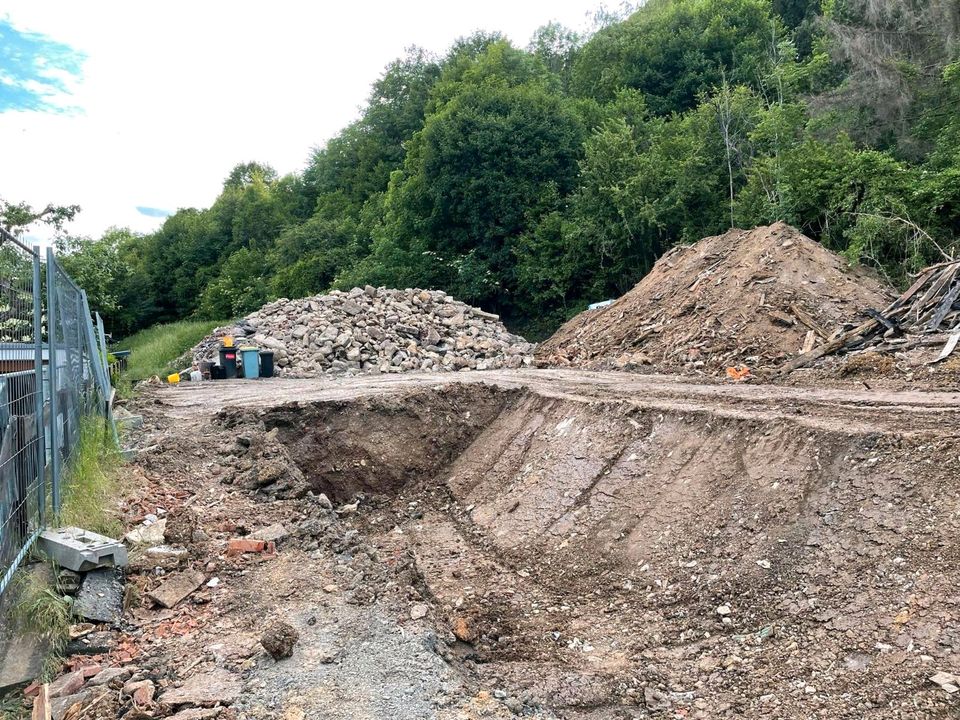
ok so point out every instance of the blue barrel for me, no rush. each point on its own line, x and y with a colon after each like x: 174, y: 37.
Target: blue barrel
x: 251, y: 362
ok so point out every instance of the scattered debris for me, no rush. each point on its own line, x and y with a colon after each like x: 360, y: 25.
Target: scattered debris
x: 916, y: 318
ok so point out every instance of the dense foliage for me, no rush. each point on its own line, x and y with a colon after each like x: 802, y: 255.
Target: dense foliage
x: 532, y: 181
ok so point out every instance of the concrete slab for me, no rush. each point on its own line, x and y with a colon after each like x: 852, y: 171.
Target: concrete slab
x: 100, y: 599
x: 81, y: 550
x: 176, y: 588
x: 21, y: 660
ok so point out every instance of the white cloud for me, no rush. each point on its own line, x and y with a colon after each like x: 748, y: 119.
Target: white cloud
x: 175, y: 94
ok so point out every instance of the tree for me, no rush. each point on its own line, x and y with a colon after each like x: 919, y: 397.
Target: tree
x: 675, y: 50
x: 17, y: 217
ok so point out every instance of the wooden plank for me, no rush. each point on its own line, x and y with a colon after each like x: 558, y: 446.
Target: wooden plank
x: 806, y: 359
x: 944, y: 307
x: 948, y: 348
x: 41, y: 704
x: 807, y: 319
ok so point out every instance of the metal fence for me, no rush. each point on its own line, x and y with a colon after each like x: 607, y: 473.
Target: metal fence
x: 53, y: 372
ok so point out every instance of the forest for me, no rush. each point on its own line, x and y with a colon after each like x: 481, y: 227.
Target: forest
x: 534, y: 180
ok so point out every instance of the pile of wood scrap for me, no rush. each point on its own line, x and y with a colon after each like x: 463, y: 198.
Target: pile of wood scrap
x: 926, y: 315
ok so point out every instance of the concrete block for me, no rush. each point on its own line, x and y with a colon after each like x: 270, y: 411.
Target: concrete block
x: 80, y: 550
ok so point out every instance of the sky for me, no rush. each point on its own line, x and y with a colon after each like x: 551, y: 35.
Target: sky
x: 136, y: 109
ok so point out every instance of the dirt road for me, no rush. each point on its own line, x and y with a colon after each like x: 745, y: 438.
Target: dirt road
x: 552, y: 543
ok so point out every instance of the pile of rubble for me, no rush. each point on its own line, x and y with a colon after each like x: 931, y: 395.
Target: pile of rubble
x: 727, y: 304
x: 374, y: 330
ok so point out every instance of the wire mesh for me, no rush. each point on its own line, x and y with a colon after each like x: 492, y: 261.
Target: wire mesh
x: 22, y: 487
x: 53, y: 372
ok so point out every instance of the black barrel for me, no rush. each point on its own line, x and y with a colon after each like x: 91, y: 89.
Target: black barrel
x: 266, y: 363
x: 228, y: 361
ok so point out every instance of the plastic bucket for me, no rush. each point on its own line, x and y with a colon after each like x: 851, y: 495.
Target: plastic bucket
x: 228, y: 361
x: 173, y: 379
x: 251, y: 362
x: 266, y: 363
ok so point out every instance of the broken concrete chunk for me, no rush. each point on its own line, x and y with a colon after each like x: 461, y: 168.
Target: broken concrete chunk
x: 60, y: 706
x: 151, y: 534
x: 100, y: 599
x: 272, y: 533
x: 176, y: 588
x: 108, y: 675
x: 210, y: 688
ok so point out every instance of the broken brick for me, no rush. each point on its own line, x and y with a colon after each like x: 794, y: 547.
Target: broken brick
x: 238, y: 546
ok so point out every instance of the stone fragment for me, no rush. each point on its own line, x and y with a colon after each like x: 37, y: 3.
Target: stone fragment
x: 152, y: 534
x: 68, y: 684
x: 279, y: 639
x: 419, y: 611
x: 176, y: 588
x: 271, y: 533
x: 209, y: 688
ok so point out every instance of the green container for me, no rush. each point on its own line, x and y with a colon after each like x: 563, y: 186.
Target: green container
x: 251, y: 362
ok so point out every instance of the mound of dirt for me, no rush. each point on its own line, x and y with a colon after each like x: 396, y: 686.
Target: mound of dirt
x: 751, y: 298
x: 375, y: 330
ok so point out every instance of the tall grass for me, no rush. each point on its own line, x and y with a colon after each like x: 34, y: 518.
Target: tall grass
x: 154, y: 350
x: 91, y: 481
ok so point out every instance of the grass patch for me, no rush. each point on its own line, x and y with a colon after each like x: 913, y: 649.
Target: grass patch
x: 91, y: 481
x: 154, y: 350
x: 40, y: 608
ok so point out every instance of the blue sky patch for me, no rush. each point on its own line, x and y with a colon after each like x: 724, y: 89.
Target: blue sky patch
x: 35, y: 70
x: 153, y: 212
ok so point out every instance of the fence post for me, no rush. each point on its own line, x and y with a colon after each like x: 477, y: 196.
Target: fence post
x: 97, y: 359
x: 52, y: 367
x: 38, y: 384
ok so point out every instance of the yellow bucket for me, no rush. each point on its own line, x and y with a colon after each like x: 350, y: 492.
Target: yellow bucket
x: 173, y: 379
x: 227, y: 341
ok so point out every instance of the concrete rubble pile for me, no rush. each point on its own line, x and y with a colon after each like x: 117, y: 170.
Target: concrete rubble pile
x: 374, y: 330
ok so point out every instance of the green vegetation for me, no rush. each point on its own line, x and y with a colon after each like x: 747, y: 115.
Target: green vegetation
x: 154, y: 350
x: 40, y: 608
x: 90, y: 487
x: 532, y: 181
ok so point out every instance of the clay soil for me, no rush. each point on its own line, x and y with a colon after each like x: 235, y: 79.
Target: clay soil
x: 556, y: 544
x: 745, y: 298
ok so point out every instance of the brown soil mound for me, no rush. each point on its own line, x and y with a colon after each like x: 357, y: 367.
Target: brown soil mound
x: 751, y: 298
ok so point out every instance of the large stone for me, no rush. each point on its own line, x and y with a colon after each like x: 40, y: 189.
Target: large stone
x: 279, y: 639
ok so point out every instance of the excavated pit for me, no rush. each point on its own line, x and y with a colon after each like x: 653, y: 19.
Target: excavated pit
x: 606, y: 559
